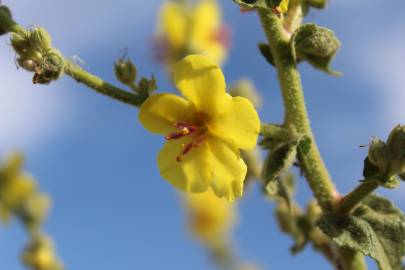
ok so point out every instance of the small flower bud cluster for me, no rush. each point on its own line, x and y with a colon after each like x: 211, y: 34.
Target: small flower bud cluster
x: 389, y: 157
x: 36, y: 54
x: 20, y: 198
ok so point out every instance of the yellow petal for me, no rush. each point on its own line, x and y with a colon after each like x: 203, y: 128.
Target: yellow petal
x: 227, y: 168
x: 202, y: 83
x: 284, y: 6
x: 173, y: 26
x: 240, y: 123
x: 206, y: 20
x: 192, y: 173
x: 160, y: 112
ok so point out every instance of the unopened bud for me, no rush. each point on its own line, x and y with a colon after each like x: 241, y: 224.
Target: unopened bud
x: 125, y: 71
x: 317, y: 45
x: 20, y: 43
x: 39, y: 39
x: 35, y: 208
x: 379, y: 155
x: 27, y: 64
x: 396, y: 144
x: 39, y: 255
x: 50, y: 68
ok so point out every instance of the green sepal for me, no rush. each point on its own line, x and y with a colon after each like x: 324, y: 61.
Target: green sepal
x: 376, y: 229
x: 317, y: 45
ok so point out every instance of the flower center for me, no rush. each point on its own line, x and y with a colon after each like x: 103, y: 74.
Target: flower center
x: 195, y: 131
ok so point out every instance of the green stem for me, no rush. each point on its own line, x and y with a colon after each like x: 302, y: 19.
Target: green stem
x: 8, y: 24
x: 100, y: 86
x: 295, y: 110
x: 351, y: 200
x: 351, y: 260
x: 297, y: 117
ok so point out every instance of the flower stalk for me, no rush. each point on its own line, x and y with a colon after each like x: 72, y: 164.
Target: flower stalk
x: 295, y: 110
x: 351, y: 200
x: 296, y: 116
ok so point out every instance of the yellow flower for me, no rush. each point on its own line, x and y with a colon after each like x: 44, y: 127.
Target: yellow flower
x: 284, y: 6
x: 197, y: 29
x: 210, y: 218
x: 204, y: 130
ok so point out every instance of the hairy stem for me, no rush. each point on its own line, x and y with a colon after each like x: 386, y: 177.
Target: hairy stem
x: 351, y: 260
x: 295, y: 110
x: 100, y: 86
x: 296, y: 116
x: 351, y: 200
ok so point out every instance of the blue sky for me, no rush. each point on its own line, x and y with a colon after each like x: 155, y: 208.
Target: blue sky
x: 111, y: 209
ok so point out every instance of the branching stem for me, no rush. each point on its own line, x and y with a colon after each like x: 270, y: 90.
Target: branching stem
x: 295, y: 110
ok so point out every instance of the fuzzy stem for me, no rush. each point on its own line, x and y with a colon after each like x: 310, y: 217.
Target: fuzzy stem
x: 351, y: 260
x: 100, y: 86
x: 351, y: 200
x: 297, y: 117
x: 295, y: 110
x: 9, y: 25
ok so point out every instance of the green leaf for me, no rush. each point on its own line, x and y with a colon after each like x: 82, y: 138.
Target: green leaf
x: 376, y: 229
x: 317, y: 45
x: 279, y: 161
x: 276, y: 164
x: 266, y: 52
x: 258, y: 3
x: 283, y: 188
x: 305, y: 145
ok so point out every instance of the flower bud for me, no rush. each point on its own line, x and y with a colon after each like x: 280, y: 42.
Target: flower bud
x: 39, y: 39
x: 317, y: 45
x: 35, y: 208
x: 396, y: 144
x: 50, y: 68
x: 125, y: 71
x: 379, y: 155
x: 27, y: 64
x: 20, y: 43
x: 39, y: 255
